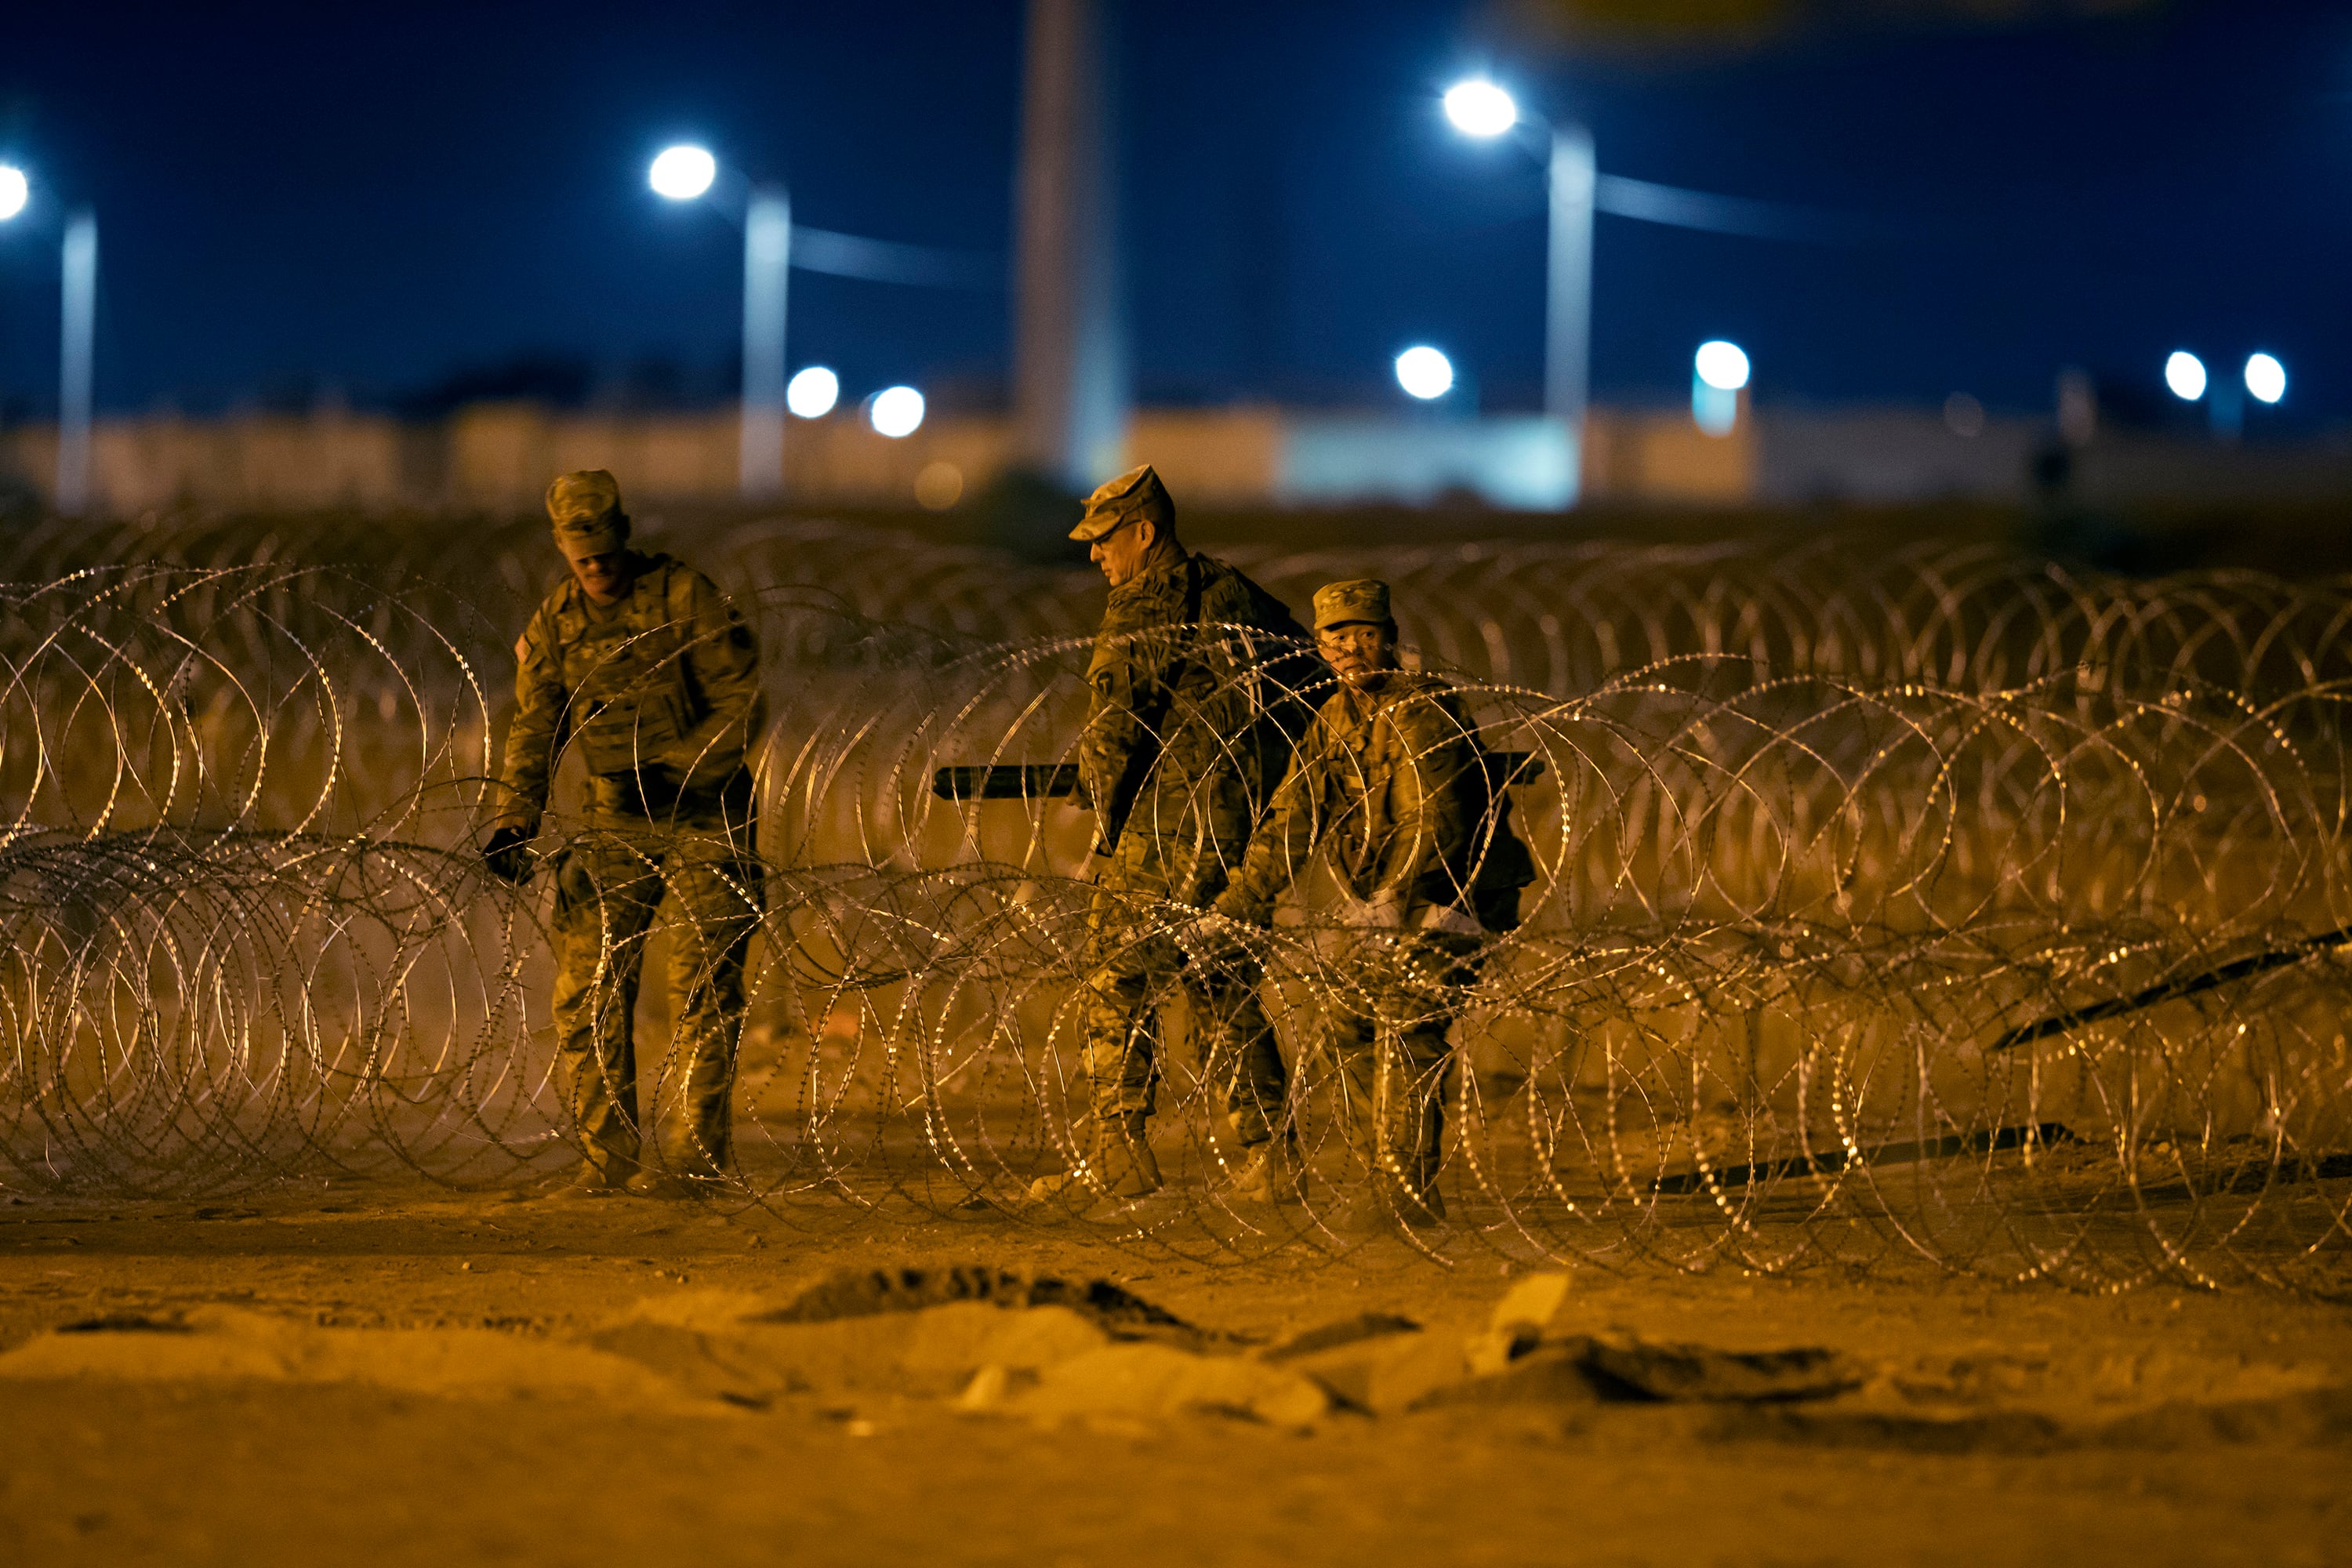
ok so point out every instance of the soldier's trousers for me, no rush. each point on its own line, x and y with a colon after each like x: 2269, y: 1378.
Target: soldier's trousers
x: 1386, y: 1027
x: 1133, y: 965
x: 615, y: 881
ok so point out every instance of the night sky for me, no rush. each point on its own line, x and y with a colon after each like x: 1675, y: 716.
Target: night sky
x: 373, y: 201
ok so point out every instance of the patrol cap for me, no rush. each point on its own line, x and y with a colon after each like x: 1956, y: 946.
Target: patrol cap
x: 585, y: 507
x: 1357, y: 599
x: 1137, y: 493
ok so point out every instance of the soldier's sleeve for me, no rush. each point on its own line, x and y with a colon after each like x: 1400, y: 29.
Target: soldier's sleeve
x: 1280, y: 848
x: 1436, y: 752
x: 1123, y: 677
x: 535, y: 732
x: 724, y: 656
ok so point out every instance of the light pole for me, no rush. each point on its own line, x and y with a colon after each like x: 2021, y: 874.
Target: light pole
x: 682, y: 174
x: 1480, y: 109
x: 77, y: 362
x: 77, y: 340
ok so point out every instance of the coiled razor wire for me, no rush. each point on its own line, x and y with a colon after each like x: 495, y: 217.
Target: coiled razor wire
x: 1947, y: 910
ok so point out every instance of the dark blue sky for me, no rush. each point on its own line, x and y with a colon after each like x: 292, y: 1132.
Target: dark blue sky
x: 372, y: 198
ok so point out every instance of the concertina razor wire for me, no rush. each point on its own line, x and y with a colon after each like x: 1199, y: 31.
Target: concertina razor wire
x: 1946, y: 908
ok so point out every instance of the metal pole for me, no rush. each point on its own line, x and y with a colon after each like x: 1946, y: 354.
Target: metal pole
x: 78, y: 341
x: 766, y: 262
x: 1069, y: 358
x: 1567, y: 325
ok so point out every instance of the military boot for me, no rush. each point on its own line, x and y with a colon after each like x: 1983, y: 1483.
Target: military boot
x: 1118, y: 1163
x: 1413, y: 1145
x: 672, y: 1187
x: 588, y: 1180
x: 1273, y: 1173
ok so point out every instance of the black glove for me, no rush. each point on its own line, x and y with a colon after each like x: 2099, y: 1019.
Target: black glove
x: 505, y: 856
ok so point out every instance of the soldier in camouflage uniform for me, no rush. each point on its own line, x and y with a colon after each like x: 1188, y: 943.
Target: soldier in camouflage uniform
x: 641, y: 665
x: 1391, y: 782
x: 1185, y: 734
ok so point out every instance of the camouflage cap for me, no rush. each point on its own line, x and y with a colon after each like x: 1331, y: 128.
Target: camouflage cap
x: 585, y: 507
x: 1357, y: 599
x: 1137, y: 493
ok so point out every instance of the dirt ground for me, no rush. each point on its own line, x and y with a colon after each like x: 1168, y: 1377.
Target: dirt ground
x: 391, y: 1375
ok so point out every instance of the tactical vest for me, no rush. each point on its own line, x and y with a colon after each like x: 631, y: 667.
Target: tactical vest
x: 632, y: 693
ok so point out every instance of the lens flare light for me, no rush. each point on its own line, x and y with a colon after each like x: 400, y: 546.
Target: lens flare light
x: 14, y: 191
x: 1480, y: 108
x: 2185, y: 374
x: 1424, y: 373
x: 683, y: 173
x: 813, y: 393
x: 2266, y: 377
x: 896, y: 411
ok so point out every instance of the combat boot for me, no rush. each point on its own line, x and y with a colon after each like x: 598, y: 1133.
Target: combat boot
x: 1119, y: 1165
x: 1273, y: 1173
x: 671, y: 1187
x: 588, y: 1180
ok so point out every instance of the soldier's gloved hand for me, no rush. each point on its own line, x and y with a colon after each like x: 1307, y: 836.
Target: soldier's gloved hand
x: 505, y: 856
x: 1097, y: 865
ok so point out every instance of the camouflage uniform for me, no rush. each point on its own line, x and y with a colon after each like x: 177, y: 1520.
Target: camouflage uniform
x: 660, y: 693
x: 1184, y: 735
x: 1392, y: 786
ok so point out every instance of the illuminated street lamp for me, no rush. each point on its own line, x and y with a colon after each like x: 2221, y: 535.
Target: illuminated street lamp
x: 1718, y: 371
x: 1424, y: 373
x: 684, y: 174
x: 2266, y: 377
x: 813, y: 393
x: 77, y: 340
x: 1480, y: 108
x: 2184, y: 373
x: 896, y: 411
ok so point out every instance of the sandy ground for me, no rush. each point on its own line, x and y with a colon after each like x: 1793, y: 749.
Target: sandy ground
x: 395, y: 1376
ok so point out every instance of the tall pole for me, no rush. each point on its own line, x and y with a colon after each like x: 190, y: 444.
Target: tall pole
x: 78, y: 344
x: 767, y: 264
x: 1568, y: 305
x: 1070, y: 392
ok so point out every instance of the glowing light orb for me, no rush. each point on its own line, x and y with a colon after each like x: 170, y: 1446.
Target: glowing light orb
x: 813, y: 393
x: 1723, y: 366
x: 1480, y: 109
x: 2266, y: 377
x: 1424, y: 373
x: 684, y: 173
x: 14, y: 191
x: 896, y: 411
x: 2185, y: 374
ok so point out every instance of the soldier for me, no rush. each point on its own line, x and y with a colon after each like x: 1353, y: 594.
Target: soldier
x: 1391, y: 780
x: 1185, y: 734
x: 640, y: 663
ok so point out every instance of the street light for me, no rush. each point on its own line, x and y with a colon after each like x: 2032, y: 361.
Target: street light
x: 2266, y: 377
x: 1480, y: 108
x: 683, y: 174
x: 2184, y: 373
x: 813, y: 393
x: 1718, y: 371
x: 896, y: 411
x: 15, y: 192
x: 1424, y: 373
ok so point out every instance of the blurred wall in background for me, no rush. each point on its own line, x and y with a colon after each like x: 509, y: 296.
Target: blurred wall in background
x: 500, y: 455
